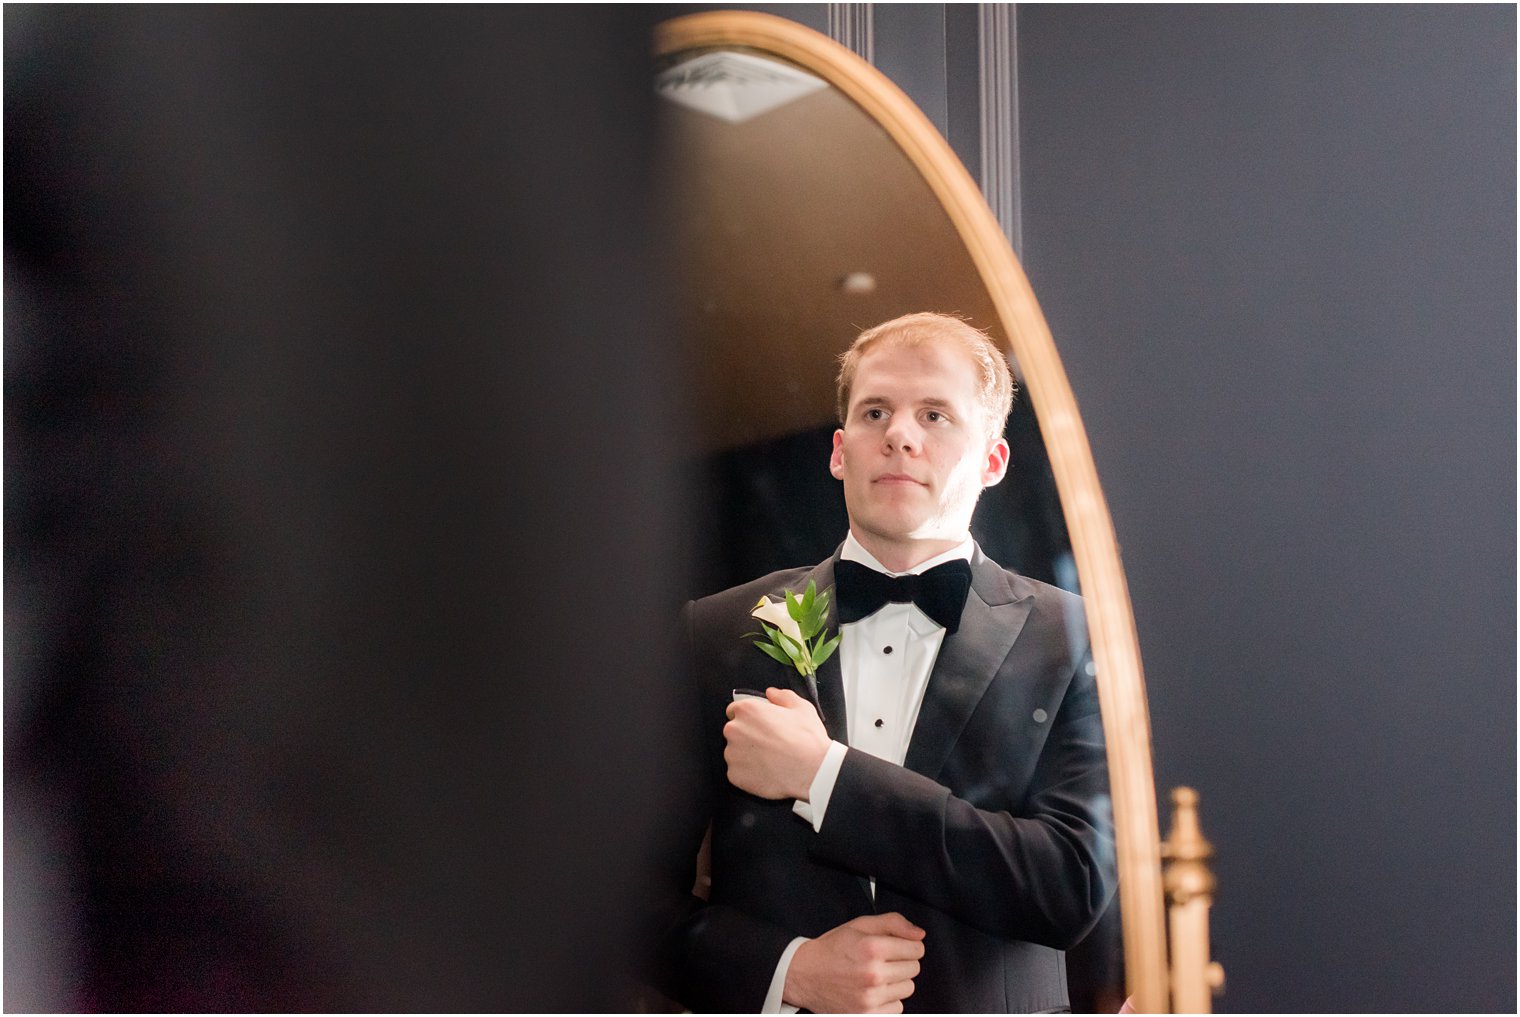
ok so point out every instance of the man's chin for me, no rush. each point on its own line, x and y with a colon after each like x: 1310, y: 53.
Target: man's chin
x: 906, y: 533
x: 903, y: 529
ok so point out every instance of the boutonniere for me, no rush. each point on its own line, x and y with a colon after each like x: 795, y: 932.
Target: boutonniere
x: 794, y: 631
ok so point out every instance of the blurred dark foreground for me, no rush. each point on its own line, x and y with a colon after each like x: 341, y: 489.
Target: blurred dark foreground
x: 338, y: 515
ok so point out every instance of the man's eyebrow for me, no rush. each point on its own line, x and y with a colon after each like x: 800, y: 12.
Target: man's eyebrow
x: 877, y: 400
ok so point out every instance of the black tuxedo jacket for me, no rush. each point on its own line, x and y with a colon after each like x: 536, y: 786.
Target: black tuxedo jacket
x: 994, y: 836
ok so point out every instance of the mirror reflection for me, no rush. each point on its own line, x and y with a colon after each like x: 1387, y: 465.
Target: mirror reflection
x: 797, y: 223
x: 796, y: 226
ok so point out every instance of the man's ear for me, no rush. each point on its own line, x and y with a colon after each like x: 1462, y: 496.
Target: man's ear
x: 997, y: 463
x: 836, y: 458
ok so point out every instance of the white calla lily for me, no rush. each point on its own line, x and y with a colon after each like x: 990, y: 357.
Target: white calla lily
x: 800, y: 642
x: 773, y: 612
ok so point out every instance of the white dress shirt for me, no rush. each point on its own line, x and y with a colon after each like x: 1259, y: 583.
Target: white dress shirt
x: 884, y: 660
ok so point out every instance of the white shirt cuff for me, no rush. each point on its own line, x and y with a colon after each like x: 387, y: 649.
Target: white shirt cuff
x: 773, y: 1002
x: 822, y: 787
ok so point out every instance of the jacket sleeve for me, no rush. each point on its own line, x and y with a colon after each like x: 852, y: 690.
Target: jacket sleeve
x: 718, y: 959
x: 1041, y: 869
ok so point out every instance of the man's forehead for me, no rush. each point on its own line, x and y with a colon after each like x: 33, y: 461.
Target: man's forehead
x: 898, y: 371
x: 943, y: 348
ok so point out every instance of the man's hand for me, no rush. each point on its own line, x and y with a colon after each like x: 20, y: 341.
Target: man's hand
x: 774, y: 747
x: 866, y: 965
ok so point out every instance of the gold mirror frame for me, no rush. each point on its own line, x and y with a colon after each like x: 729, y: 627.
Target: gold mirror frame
x: 1115, y: 647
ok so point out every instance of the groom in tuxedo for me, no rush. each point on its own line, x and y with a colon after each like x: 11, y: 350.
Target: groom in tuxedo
x: 925, y: 825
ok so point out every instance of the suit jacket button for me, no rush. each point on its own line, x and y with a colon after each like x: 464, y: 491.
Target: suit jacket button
x: 1040, y: 716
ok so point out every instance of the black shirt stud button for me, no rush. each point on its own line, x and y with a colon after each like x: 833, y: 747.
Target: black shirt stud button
x: 886, y: 649
x: 878, y: 722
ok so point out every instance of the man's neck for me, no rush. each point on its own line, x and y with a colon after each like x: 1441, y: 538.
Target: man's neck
x: 898, y: 557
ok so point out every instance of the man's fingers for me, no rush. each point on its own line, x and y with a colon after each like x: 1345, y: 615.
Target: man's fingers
x: 893, y: 997
x: 895, y: 948
x: 896, y: 972
x: 889, y: 924
x: 739, y: 706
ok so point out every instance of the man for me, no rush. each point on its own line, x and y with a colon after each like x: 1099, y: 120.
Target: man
x: 928, y: 831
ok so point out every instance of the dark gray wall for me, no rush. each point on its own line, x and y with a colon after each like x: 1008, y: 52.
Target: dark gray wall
x: 337, y: 400
x: 814, y: 16
x: 1277, y: 250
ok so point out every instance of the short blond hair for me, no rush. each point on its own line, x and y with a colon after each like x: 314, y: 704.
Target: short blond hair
x: 995, y: 387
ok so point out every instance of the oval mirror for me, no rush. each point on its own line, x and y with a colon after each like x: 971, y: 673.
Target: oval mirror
x: 810, y: 199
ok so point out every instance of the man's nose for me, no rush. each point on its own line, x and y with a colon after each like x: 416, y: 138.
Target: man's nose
x: 902, y: 436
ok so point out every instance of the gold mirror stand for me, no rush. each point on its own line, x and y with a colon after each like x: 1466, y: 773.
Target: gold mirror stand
x: 1189, y: 894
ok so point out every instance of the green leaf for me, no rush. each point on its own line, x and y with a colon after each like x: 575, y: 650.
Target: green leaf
x: 826, y: 651
x: 810, y: 596
x: 791, y: 646
x: 820, y: 617
x: 794, y: 607
x: 775, y: 635
x: 771, y: 651
x: 821, y: 607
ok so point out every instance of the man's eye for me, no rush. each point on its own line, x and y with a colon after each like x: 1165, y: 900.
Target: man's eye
x: 875, y: 414
x: 934, y: 416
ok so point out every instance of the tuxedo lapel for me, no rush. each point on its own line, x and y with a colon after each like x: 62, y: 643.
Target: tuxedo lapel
x: 968, y: 661
x: 830, y: 701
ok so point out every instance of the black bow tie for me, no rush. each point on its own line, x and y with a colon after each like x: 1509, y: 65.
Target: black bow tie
x: 939, y: 593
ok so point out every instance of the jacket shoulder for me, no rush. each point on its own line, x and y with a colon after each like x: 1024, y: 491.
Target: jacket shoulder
x: 1044, y: 593
x: 996, y: 582
x: 1051, y: 609
x: 738, y: 601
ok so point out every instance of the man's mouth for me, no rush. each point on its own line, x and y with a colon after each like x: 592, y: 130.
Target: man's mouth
x: 898, y: 478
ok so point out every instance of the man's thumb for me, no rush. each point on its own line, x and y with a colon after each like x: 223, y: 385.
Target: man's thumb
x: 889, y: 924
x: 783, y: 697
